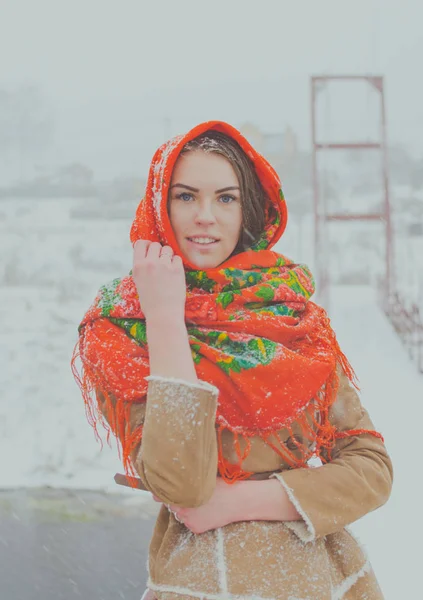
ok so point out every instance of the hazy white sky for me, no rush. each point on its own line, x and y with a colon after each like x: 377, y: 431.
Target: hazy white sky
x: 113, y: 70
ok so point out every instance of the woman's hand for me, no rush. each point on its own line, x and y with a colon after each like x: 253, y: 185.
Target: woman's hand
x: 220, y: 510
x: 264, y: 500
x: 159, y: 276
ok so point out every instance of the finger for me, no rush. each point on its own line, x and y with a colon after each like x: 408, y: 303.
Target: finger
x: 154, y: 250
x: 177, y: 260
x: 166, y: 251
x: 166, y: 255
x: 141, y: 248
x: 178, y: 517
x: 175, y: 510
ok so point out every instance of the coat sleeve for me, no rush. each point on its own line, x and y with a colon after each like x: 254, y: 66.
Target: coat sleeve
x: 177, y: 458
x: 357, y: 480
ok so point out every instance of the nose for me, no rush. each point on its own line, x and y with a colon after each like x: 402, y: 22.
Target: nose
x: 205, y: 213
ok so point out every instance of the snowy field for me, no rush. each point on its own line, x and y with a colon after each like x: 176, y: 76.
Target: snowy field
x: 51, y: 268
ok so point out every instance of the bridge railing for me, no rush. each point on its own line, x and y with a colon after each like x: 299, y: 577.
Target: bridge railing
x: 407, y: 321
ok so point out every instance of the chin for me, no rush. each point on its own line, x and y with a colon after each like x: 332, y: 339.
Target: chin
x: 205, y: 263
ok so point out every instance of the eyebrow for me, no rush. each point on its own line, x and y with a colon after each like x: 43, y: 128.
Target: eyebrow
x: 192, y: 189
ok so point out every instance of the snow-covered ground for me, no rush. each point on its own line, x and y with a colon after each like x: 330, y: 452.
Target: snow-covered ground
x: 51, y: 268
x: 392, y: 391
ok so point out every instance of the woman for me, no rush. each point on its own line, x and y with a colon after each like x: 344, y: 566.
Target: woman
x: 221, y: 379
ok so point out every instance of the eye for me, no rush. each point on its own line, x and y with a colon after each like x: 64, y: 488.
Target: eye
x: 227, y: 197
x: 185, y: 196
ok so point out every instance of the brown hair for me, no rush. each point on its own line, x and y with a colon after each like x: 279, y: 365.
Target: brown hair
x: 253, y: 197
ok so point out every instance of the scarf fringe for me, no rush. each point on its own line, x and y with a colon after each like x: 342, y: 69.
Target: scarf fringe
x: 114, y: 416
x: 318, y: 435
x: 321, y: 437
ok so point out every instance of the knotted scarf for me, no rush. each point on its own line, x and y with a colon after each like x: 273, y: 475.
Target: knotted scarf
x: 253, y: 333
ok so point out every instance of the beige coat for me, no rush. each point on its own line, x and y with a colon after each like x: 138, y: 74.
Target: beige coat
x: 312, y: 559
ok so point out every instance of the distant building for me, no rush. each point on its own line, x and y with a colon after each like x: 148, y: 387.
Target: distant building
x: 280, y: 148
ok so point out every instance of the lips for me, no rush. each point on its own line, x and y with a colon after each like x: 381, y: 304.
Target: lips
x: 195, y: 241
x: 192, y: 237
x: 202, y: 245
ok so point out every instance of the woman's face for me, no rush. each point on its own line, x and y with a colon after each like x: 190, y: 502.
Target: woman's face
x: 205, y: 201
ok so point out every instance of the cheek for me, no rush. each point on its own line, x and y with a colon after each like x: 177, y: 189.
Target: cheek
x: 236, y: 225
